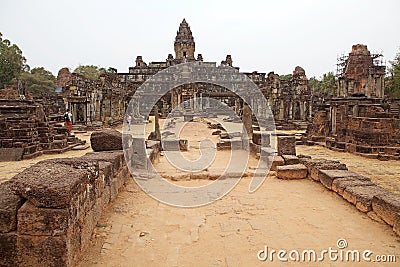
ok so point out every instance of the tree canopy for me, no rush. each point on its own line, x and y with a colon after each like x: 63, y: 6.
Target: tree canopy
x: 12, y: 62
x: 90, y: 71
x: 38, y: 80
x: 326, y: 84
x: 393, y: 79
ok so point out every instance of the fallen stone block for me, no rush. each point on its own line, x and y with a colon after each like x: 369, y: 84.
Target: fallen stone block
x: 9, y: 205
x: 386, y: 206
x: 286, y: 145
x: 328, y: 176
x: 339, y: 185
x: 295, y: 171
x: 11, y: 154
x: 290, y: 159
x: 106, y: 140
x: 361, y: 196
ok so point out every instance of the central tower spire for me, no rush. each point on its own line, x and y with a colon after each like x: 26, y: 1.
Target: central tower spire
x: 184, y: 42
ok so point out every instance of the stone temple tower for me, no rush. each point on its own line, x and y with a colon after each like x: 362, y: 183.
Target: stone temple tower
x: 184, y: 42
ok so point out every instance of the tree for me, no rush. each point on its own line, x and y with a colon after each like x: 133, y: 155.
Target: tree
x: 12, y: 62
x: 326, y: 84
x: 38, y: 81
x: 89, y: 71
x: 286, y: 77
x: 393, y: 80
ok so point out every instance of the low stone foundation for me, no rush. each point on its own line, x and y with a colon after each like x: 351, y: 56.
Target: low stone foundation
x: 48, y: 212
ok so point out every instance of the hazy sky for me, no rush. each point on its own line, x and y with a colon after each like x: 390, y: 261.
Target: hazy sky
x: 260, y: 35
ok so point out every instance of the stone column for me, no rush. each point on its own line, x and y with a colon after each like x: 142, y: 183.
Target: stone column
x: 157, y: 124
x: 302, y: 108
x: 333, y: 120
x: 290, y: 110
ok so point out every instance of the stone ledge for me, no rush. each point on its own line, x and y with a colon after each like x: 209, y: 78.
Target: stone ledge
x: 386, y: 206
x: 361, y: 196
x: 296, y: 171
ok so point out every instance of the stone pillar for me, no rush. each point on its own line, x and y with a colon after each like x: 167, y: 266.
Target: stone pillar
x: 201, y: 102
x: 281, y: 110
x: 247, y: 120
x: 157, y: 124
x: 195, y: 102
x: 290, y: 110
x: 333, y: 120
x: 310, y: 111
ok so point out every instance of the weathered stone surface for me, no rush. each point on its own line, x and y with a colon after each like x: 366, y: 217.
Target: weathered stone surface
x: 290, y: 159
x: 261, y: 138
x: 42, y: 221
x: 11, y: 154
x: 386, y: 206
x: 106, y: 140
x: 328, y: 176
x: 286, y: 145
x: 37, y: 251
x: 314, y: 165
x: 295, y: 171
x: 8, y: 249
x: 50, y: 185
x: 361, y: 196
x: 396, y: 223
x: 9, y: 204
x: 277, y: 161
x: 339, y: 185
x: 115, y: 157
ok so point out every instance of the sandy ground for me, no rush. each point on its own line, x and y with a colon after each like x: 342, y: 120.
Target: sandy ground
x: 137, y: 230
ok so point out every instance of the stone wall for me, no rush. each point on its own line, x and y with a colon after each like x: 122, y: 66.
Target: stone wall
x: 48, y: 212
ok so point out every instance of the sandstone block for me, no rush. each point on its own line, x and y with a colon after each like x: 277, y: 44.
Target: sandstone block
x: 295, y: 171
x: 290, y: 159
x: 386, y: 206
x: 277, y: 161
x: 286, y: 145
x: 9, y: 204
x: 361, y: 196
x: 328, y: 176
x: 8, y: 248
x: 314, y: 165
x: 339, y: 185
x: 42, y: 221
x: 106, y: 140
x: 50, y: 185
x: 396, y: 224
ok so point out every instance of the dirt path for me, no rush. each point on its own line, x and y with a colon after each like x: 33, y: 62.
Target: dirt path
x: 137, y: 230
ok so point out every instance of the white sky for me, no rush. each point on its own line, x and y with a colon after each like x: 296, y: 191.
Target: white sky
x: 260, y: 35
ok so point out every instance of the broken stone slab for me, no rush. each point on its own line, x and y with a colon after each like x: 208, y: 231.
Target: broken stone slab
x: 386, y: 206
x: 286, y: 145
x: 361, y: 196
x: 290, y: 159
x: 328, y: 176
x: 106, y: 140
x: 115, y: 157
x: 9, y: 205
x: 295, y: 171
x: 339, y: 185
